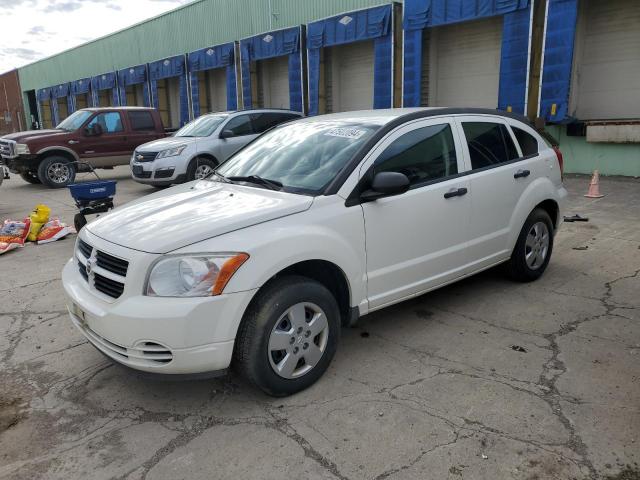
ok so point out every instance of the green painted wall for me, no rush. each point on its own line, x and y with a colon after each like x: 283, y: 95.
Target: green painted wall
x: 200, y: 24
x: 609, y: 158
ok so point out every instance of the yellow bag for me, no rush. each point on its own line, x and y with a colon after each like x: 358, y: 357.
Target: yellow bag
x: 39, y: 216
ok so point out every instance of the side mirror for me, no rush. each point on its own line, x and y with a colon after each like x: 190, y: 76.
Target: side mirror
x: 386, y: 184
x: 227, y: 134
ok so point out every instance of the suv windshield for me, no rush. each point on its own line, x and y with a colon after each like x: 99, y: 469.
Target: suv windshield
x: 303, y: 156
x: 74, y: 121
x: 201, y: 127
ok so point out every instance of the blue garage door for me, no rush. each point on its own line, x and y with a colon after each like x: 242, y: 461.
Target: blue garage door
x: 271, y: 45
x: 104, y: 90
x: 203, y: 65
x: 510, y: 84
x: 134, y: 86
x: 174, y: 88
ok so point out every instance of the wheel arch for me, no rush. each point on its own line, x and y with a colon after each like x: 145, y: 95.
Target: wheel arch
x: 58, y: 150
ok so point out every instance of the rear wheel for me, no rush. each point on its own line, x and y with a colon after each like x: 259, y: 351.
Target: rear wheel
x: 288, y: 335
x: 30, y: 176
x: 532, y: 252
x: 56, y: 171
x: 200, y: 168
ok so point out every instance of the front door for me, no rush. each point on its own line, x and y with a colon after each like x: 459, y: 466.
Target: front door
x: 416, y: 241
x: 111, y: 147
x: 243, y: 132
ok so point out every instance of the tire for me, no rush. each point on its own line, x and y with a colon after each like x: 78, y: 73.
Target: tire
x: 30, y: 176
x: 200, y: 167
x: 56, y: 171
x: 268, y: 317
x: 533, y: 249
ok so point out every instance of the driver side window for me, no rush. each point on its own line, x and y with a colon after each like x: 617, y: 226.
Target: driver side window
x: 240, y: 126
x: 111, y: 122
x: 424, y: 154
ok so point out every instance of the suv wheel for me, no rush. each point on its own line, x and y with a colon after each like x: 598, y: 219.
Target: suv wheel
x: 533, y: 249
x: 288, y: 335
x: 30, y: 176
x: 56, y: 171
x: 200, y: 168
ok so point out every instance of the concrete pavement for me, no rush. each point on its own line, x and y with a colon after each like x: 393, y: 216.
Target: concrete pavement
x: 484, y: 379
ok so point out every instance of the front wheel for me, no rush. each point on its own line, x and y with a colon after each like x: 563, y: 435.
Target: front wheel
x: 200, y: 168
x: 532, y: 252
x: 56, y: 171
x: 288, y: 335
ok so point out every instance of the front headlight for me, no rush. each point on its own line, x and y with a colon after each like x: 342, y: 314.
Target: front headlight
x: 22, y: 149
x: 172, y: 152
x: 193, y: 276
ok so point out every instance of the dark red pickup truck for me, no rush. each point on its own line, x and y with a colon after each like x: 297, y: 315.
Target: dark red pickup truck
x: 100, y: 137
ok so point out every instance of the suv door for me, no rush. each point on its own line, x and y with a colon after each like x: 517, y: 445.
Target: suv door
x: 499, y: 175
x: 109, y: 148
x: 243, y: 132
x: 416, y: 241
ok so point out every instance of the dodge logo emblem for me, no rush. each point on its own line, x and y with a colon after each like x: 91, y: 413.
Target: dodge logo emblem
x: 90, y: 264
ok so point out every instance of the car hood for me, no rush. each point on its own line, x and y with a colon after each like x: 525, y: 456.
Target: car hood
x: 165, y: 143
x: 22, y: 137
x: 193, y: 212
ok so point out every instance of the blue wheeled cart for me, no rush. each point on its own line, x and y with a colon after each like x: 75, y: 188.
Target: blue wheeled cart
x: 92, y: 198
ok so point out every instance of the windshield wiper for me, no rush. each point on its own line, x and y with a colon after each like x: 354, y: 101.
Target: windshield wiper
x: 220, y: 176
x: 258, y: 180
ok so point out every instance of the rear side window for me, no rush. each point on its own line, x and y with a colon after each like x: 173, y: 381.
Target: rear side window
x: 423, y: 154
x: 489, y: 144
x: 141, y: 121
x: 264, y: 121
x: 240, y: 125
x: 528, y: 143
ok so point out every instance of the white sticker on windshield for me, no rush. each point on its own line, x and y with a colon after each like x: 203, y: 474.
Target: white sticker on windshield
x: 346, y: 132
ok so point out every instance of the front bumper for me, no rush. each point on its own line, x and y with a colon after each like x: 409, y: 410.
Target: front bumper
x: 21, y: 162
x: 165, y: 171
x: 157, y: 335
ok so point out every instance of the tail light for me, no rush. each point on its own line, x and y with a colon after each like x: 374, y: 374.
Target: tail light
x: 560, y: 160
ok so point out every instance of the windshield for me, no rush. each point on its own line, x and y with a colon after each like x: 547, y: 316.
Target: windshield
x: 74, y: 121
x: 201, y: 127
x: 303, y: 156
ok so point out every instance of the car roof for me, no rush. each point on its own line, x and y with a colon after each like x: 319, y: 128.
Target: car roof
x: 100, y: 109
x: 400, y: 115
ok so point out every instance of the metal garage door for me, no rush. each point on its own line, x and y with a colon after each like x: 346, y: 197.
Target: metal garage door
x: 352, y: 76
x: 606, y: 80
x: 273, y: 82
x: 213, y: 90
x: 173, y: 101
x: 465, y: 64
x: 135, y: 95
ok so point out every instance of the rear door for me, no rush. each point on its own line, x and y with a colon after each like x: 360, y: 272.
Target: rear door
x: 416, y: 241
x: 498, y: 176
x: 142, y: 128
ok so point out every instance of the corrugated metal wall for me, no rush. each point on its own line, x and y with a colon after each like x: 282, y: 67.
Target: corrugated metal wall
x: 197, y: 25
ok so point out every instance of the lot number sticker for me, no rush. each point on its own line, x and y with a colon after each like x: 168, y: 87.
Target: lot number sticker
x: 345, y: 133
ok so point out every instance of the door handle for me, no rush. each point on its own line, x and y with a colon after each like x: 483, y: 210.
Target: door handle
x: 456, y: 192
x: 73, y: 142
x: 521, y: 174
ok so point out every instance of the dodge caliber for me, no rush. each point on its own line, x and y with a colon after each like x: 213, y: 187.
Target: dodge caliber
x: 311, y: 226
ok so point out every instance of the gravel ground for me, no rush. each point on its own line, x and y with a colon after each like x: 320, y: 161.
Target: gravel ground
x: 484, y: 379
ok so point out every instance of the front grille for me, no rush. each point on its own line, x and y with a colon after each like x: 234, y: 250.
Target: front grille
x: 145, y: 156
x: 112, y: 264
x: 6, y: 148
x: 107, y: 286
x: 104, y: 261
x: 142, y: 174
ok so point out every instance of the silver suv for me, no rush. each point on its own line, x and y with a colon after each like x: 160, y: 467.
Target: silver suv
x: 200, y: 146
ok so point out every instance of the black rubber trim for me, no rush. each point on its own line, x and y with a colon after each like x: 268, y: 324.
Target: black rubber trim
x: 348, y: 169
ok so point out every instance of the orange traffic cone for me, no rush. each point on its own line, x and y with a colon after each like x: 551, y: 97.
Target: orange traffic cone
x: 594, y: 186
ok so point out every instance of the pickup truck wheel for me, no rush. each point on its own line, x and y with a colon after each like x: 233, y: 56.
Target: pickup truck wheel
x: 200, y: 168
x: 288, y: 335
x: 533, y: 249
x: 30, y: 176
x: 56, y: 171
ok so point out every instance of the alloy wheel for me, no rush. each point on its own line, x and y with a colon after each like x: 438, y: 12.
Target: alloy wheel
x: 537, y: 245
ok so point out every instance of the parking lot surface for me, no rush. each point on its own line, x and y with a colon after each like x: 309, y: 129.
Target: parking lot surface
x: 484, y: 379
